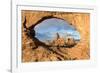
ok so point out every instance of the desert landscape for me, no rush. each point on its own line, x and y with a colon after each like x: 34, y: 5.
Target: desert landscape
x: 59, y: 46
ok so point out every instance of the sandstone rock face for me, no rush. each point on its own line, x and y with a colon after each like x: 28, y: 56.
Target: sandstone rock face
x: 81, y: 21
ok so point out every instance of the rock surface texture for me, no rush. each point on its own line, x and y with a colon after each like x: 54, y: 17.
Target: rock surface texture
x: 81, y: 51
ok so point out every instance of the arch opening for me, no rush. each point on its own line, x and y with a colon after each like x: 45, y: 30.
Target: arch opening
x: 57, y: 31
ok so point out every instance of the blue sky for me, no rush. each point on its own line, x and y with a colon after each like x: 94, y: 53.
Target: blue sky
x: 47, y: 29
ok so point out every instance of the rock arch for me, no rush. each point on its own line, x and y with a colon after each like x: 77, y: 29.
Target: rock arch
x: 79, y: 20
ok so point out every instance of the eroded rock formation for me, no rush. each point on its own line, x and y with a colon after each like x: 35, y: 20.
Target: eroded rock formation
x: 81, y: 21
